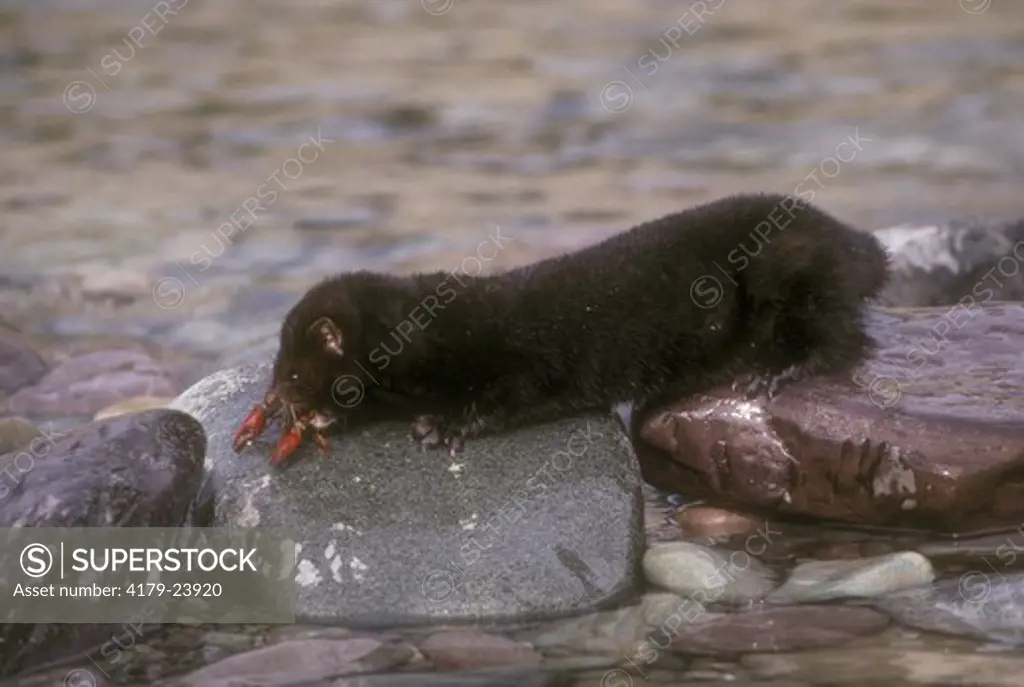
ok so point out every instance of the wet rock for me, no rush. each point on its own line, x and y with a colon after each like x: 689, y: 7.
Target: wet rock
x: 943, y: 264
x: 1004, y: 545
x: 620, y: 632
x: 777, y: 629
x: 540, y: 522
x: 136, y: 404
x: 895, y: 665
x: 928, y: 434
x: 20, y: 364
x: 488, y: 679
x: 981, y: 604
x: 137, y: 471
x: 16, y: 433
x: 284, y: 633
x: 232, y: 642
x: 842, y: 579
x: 65, y: 481
x: 714, y: 523
x: 298, y: 662
x: 474, y: 650
x: 707, y: 574
x: 87, y: 383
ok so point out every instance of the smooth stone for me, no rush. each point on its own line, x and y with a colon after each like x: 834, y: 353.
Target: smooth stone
x: 87, y: 383
x: 707, y: 574
x: 537, y: 523
x: 16, y: 433
x: 621, y: 632
x: 474, y: 650
x: 928, y: 434
x: 935, y: 265
x: 20, y: 364
x: 157, y: 456
x: 847, y: 579
x: 714, y: 523
x: 136, y: 404
x: 296, y: 662
x: 981, y: 604
x: 777, y: 629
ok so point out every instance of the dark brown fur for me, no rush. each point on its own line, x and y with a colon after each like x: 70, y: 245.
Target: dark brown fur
x: 628, y: 319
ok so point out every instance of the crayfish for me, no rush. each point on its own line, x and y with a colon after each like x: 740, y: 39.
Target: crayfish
x: 292, y: 431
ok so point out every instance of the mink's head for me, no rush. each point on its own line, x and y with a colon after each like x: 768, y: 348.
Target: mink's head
x: 320, y: 342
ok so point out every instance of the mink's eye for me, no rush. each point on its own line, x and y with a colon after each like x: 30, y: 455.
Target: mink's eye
x: 294, y: 376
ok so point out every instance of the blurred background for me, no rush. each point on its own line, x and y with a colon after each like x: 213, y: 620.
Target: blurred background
x: 322, y: 136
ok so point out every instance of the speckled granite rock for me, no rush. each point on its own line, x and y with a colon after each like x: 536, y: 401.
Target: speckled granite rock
x: 68, y: 481
x: 536, y: 523
x: 928, y: 434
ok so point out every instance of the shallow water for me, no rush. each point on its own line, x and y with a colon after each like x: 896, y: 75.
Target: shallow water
x: 319, y: 137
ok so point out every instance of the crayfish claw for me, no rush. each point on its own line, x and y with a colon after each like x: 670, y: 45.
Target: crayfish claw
x: 251, y: 427
x: 287, y: 445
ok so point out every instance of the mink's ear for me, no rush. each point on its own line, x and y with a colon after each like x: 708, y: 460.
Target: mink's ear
x: 327, y: 334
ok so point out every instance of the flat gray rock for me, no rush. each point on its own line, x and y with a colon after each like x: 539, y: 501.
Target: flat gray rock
x: 538, y: 523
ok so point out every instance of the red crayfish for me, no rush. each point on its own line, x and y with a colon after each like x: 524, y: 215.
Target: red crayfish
x: 291, y: 433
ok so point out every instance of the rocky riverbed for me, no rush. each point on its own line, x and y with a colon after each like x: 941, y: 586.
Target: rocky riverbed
x: 144, y: 266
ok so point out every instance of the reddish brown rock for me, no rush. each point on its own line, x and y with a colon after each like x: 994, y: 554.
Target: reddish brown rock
x: 476, y: 650
x: 929, y: 434
x: 777, y: 629
x: 702, y: 521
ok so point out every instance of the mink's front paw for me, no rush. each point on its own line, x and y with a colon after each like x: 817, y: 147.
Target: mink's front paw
x: 432, y: 432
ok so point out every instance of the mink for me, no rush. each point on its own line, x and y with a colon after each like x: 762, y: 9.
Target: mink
x: 757, y: 290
